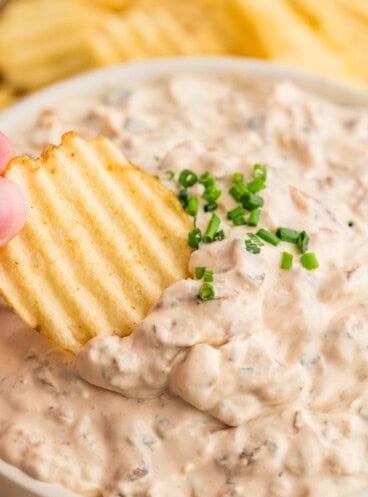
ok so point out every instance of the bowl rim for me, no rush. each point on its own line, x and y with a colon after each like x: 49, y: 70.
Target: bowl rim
x: 137, y: 71
x: 26, y: 110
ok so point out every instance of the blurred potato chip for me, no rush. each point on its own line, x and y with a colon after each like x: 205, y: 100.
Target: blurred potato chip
x: 102, y: 241
x: 348, y: 34
x: 42, y: 41
x: 278, y: 33
x: 113, y: 4
x: 6, y: 95
x: 155, y: 32
x: 358, y: 8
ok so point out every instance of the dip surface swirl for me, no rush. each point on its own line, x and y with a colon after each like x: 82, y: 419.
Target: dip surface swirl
x: 260, y: 392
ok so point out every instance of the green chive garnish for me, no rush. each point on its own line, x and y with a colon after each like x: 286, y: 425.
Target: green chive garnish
x: 239, y: 221
x: 210, y: 207
x: 237, y: 191
x: 208, y: 276
x: 207, y: 292
x: 251, y: 201
x: 268, y: 237
x: 254, y: 216
x: 238, y: 178
x: 350, y: 223
x: 260, y: 171
x: 199, y: 272
x: 192, y: 206
x: 220, y: 235
x: 256, y: 185
x: 253, y: 244
x: 286, y: 260
x: 309, y: 261
x: 183, y: 198
x: 211, y: 194
x: 170, y: 174
x: 212, y: 228
x: 287, y: 235
x: 303, y: 241
x: 187, y: 178
x: 206, y: 179
x: 194, y: 238
x: 238, y: 211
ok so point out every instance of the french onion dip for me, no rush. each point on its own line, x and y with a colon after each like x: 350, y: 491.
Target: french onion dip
x: 255, y: 387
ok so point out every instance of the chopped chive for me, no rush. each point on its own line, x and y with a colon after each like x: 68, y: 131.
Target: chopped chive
x: 251, y: 201
x: 199, y: 272
x: 212, y: 206
x: 287, y: 235
x: 254, y: 216
x: 211, y: 194
x: 237, y: 191
x: 207, y: 292
x: 206, y: 179
x: 238, y: 211
x: 220, y: 235
x: 194, y: 238
x: 268, y: 237
x: 239, y: 221
x: 183, y: 198
x: 253, y: 244
x: 212, y: 228
x: 208, y: 276
x: 286, y: 260
x: 350, y: 223
x: 309, y: 261
x: 192, y: 206
x: 187, y: 178
x: 238, y: 178
x: 260, y: 171
x: 170, y: 174
x: 303, y: 241
x: 256, y: 185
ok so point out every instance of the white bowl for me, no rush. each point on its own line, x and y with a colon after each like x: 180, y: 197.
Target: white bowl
x: 20, y: 118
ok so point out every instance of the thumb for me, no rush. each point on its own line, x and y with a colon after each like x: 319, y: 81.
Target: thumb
x: 13, y: 210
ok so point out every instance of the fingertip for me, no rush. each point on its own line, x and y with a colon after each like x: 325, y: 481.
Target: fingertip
x: 6, y: 151
x: 14, y: 209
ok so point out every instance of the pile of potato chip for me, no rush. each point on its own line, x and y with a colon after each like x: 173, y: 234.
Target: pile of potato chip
x: 42, y: 41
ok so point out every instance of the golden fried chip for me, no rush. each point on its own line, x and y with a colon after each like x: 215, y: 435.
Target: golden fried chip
x: 279, y: 33
x: 113, y: 4
x: 42, y: 41
x: 340, y: 28
x: 154, y: 32
x: 6, y: 95
x: 102, y: 241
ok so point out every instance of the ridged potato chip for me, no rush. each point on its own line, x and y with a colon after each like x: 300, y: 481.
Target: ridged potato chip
x: 154, y: 32
x: 102, y: 241
x: 347, y: 34
x: 280, y: 34
x: 42, y: 41
x: 6, y: 95
x: 113, y: 4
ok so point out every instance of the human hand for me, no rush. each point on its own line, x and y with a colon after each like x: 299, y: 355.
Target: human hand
x: 13, y: 203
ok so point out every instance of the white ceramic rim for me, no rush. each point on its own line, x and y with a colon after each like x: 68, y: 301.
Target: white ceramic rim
x: 21, y: 116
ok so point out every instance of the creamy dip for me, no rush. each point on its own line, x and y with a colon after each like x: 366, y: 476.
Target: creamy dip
x: 260, y: 392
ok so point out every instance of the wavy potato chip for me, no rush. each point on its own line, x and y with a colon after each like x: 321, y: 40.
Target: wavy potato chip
x: 348, y: 34
x: 42, y: 41
x: 279, y: 33
x: 6, y: 95
x: 102, y: 241
x: 155, y: 32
